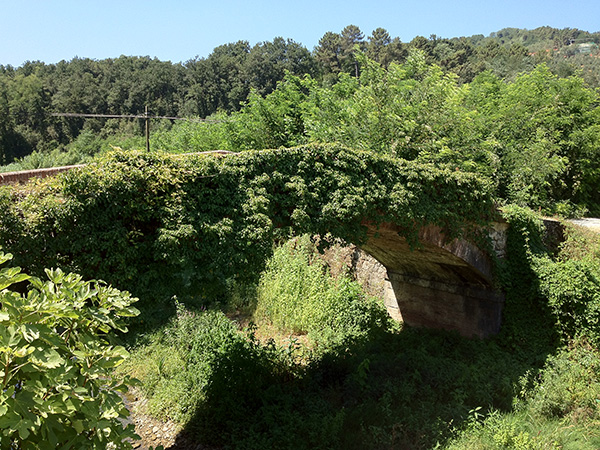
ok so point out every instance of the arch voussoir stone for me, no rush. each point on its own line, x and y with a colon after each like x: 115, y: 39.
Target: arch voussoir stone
x: 439, y: 284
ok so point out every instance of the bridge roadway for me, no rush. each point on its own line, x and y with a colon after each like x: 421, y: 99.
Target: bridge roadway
x: 589, y: 223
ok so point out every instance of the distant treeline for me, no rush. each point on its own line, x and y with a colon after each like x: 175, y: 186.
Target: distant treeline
x: 223, y: 81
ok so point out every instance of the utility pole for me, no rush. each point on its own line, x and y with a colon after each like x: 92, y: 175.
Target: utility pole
x: 144, y: 116
x: 147, y: 120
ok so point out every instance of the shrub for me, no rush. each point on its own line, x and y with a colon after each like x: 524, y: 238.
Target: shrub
x: 569, y: 385
x: 202, y: 372
x: 57, y: 355
x: 559, y: 409
x: 562, y: 289
x: 572, y: 288
x: 179, y: 364
x: 527, y: 318
x: 185, y: 137
x: 297, y: 294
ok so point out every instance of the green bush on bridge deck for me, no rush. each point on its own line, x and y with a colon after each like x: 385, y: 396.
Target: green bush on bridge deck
x: 160, y: 225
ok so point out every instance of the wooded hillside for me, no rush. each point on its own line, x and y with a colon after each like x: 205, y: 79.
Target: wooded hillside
x: 223, y: 80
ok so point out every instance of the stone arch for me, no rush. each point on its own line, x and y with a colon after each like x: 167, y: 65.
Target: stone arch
x: 440, y: 284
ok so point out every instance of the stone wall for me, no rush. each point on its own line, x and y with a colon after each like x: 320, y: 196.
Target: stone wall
x: 448, y: 285
x: 24, y: 176
x: 360, y: 266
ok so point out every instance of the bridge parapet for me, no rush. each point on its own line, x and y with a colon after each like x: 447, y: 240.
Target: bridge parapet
x: 25, y: 175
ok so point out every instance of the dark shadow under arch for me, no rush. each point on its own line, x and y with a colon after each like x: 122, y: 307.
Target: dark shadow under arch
x: 439, y: 284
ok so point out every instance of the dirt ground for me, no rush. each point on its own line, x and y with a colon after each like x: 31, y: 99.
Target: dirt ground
x: 154, y: 432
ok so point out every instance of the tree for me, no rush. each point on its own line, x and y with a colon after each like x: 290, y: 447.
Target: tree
x: 6, y: 155
x: 77, y: 89
x: 545, y: 133
x: 409, y: 110
x: 27, y: 101
x: 383, y: 49
x: 224, y: 85
x: 336, y: 52
x: 273, y: 121
x: 329, y: 54
x: 196, y: 100
x: 352, y: 38
x: 421, y: 43
x: 24, y: 100
x: 57, y: 356
x: 268, y: 63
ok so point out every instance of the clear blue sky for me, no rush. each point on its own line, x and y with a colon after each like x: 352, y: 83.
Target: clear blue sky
x: 178, y: 30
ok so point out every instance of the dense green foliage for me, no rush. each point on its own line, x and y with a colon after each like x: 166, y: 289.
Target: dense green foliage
x: 360, y: 384
x: 296, y: 294
x: 572, y: 289
x: 544, y: 131
x: 485, y: 105
x: 558, y: 410
x: 376, y: 386
x: 200, y: 370
x: 562, y: 287
x: 536, y: 137
x: 160, y: 225
x: 30, y: 94
x: 224, y: 80
x: 57, y: 355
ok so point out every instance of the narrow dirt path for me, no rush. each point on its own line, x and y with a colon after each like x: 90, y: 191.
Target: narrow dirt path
x: 154, y: 432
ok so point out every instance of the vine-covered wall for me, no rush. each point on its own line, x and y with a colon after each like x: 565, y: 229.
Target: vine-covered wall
x: 161, y: 225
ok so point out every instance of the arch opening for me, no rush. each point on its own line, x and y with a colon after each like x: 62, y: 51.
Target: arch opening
x: 447, y: 285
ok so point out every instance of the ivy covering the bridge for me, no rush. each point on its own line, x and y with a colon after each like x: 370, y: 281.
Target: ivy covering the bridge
x: 159, y: 224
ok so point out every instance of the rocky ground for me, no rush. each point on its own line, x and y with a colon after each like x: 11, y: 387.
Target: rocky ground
x: 153, y: 432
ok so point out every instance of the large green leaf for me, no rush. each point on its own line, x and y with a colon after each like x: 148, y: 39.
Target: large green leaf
x: 47, y: 358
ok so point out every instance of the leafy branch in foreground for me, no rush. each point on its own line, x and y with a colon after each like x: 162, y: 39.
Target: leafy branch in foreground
x: 56, y: 362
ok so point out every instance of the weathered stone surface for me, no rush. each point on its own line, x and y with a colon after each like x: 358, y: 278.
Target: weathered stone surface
x: 440, y: 284
x: 362, y: 267
x: 24, y: 176
x: 470, y: 310
x: 447, y: 285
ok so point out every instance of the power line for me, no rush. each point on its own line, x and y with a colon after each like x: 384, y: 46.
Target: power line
x: 145, y: 116
x: 133, y: 116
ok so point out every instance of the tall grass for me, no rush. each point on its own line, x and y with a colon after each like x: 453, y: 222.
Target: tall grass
x: 559, y: 408
x: 368, y: 384
x: 297, y: 295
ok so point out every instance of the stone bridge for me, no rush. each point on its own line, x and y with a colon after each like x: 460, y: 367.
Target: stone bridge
x: 440, y: 284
